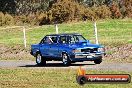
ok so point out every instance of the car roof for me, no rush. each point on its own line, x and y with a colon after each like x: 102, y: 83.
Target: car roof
x: 64, y: 34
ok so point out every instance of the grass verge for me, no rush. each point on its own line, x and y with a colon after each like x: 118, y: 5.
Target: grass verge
x: 50, y: 78
x: 110, y: 32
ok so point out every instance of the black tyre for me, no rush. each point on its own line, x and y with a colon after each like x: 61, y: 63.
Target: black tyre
x: 81, y: 80
x: 65, y: 59
x: 98, y: 61
x: 40, y: 60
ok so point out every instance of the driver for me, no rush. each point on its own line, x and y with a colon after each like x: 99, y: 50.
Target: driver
x: 49, y: 40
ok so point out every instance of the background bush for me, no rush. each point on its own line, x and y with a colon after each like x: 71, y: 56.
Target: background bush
x: 6, y: 19
x: 9, y: 20
x: 115, y: 11
x: 103, y: 12
x: 2, y: 19
x: 64, y: 11
x: 41, y: 12
x: 128, y: 6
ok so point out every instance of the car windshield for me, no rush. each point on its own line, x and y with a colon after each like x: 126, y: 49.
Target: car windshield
x: 77, y: 38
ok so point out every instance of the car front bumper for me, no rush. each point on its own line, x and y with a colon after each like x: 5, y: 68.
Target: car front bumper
x: 85, y: 57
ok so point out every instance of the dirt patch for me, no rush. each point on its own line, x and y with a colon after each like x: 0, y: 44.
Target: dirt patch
x: 121, y: 53
x: 17, y: 52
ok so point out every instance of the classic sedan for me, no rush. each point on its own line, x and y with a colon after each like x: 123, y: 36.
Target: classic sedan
x: 68, y: 48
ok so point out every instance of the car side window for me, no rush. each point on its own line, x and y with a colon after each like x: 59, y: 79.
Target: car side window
x: 49, y: 39
x: 43, y: 40
x: 72, y: 39
x: 54, y: 39
x: 63, y: 39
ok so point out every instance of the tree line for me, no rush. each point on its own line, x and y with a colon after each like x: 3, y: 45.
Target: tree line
x: 39, y: 12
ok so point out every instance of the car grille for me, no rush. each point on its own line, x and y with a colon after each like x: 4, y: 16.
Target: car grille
x: 89, y: 50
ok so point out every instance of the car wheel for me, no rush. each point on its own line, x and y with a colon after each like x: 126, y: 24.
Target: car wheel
x: 65, y: 59
x: 40, y: 60
x: 81, y: 80
x: 98, y: 61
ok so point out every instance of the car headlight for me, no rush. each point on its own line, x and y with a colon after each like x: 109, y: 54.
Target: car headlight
x: 101, y: 50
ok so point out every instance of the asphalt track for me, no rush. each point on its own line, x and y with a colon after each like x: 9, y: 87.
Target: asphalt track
x: 58, y: 65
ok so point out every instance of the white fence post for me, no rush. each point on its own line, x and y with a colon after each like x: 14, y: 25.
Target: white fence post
x: 56, y: 27
x: 96, y: 34
x: 24, y: 36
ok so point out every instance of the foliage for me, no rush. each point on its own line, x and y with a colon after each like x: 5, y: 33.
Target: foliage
x: 9, y: 20
x: 115, y: 11
x: 2, y: 19
x: 89, y: 14
x: 8, y: 6
x: 41, y: 12
x: 128, y: 7
x: 66, y: 10
x: 103, y: 12
x: 44, y: 18
x: 6, y: 19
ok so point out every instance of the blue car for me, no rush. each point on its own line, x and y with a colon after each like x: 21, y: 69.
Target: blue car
x: 68, y: 48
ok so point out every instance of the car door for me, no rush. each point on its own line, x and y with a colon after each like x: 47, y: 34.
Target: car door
x: 53, y: 47
x: 44, y: 47
x: 62, y: 42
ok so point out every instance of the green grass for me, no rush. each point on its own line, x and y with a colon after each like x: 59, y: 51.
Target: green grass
x: 50, y: 78
x: 110, y: 32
